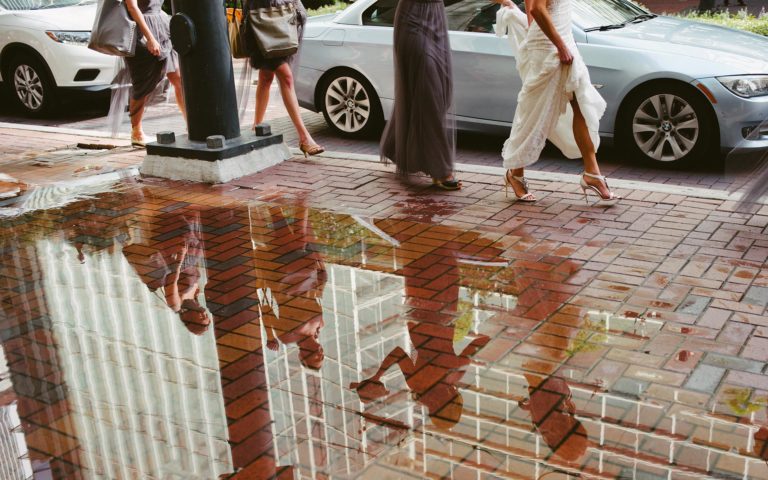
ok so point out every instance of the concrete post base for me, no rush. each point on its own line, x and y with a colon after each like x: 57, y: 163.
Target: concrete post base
x: 213, y: 162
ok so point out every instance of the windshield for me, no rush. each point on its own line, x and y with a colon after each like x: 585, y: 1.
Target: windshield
x: 598, y: 13
x: 40, y: 4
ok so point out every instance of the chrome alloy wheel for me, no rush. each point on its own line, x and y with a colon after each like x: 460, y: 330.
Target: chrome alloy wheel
x: 28, y: 87
x: 348, y: 104
x: 665, y: 127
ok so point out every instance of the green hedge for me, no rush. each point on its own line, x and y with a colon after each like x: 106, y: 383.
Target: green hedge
x: 740, y: 20
x: 331, y: 7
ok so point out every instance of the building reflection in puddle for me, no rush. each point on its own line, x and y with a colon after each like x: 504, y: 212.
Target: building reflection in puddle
x: 107, y: 380
x: 399, y: 341
x: 408, y: 389
x: 146, y: 337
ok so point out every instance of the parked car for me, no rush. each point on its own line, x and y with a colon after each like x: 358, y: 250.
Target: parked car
x: 43, y: 51
x: 677, y: 90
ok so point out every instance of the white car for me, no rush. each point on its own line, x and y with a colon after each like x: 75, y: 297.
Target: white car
x: 43, y: 50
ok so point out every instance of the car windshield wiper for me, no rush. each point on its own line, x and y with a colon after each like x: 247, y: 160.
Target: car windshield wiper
x: 603, y: 28
x: 636, y: 19
x: 640, y: 18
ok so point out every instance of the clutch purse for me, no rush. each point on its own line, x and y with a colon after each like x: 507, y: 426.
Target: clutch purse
x: 274, y: 30
x: 114, y: 31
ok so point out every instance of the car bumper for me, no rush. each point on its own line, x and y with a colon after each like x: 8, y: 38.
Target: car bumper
x: 738, y: 117
x: 78, y: 67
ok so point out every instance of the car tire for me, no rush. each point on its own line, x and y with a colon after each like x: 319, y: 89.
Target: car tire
x: 668, y: 123
x: 30, y: 85
x: 350, y: 104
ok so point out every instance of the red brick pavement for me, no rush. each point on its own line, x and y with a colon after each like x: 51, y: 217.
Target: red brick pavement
x: 530, y: 338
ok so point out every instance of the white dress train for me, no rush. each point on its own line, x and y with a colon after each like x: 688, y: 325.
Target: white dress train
x: 543, y: 109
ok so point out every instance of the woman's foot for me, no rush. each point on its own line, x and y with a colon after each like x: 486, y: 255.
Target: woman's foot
x: 310, y: 148
x: 597, y: 184
x: 519, y: 187
x: 138, y: 139
x: 449, y: 183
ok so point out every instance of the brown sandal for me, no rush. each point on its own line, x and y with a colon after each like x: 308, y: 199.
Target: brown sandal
x: 308, y: 150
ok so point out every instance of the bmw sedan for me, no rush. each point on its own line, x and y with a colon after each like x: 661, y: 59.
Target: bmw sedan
x: 43, y: 51
x: 677, y: 90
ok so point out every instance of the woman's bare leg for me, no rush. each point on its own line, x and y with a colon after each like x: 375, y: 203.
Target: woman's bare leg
x: 288, y: 92
x: 587, y: 149
x: 262, y: 94
x: 516, y: 185
x: 136, y: 112
x: 178, y: 90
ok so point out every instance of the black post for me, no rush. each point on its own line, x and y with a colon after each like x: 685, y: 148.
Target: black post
x: 198, y: 32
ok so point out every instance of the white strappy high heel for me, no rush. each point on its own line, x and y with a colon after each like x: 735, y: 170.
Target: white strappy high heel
x: 526, y: 197
x: 611, y: 199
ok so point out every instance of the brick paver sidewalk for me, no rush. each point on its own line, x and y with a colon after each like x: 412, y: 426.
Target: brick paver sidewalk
x: 646, y: 319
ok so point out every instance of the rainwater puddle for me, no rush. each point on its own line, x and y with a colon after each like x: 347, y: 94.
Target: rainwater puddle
x: 145, y: 336
x: 75, y: 152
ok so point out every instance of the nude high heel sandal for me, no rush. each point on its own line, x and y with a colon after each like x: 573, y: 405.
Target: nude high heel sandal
x: 611, y: 199
x: 308, y: 149
x: 526, y: 197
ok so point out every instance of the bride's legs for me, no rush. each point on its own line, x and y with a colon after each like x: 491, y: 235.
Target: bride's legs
x: 587, y: 149
x: 517, y: 186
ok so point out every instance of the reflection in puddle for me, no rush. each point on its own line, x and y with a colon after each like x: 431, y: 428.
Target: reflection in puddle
x: 146, y: 337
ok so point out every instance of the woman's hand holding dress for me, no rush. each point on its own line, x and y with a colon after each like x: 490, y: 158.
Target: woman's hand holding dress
x: 566, y: 57
x: 153, y: 46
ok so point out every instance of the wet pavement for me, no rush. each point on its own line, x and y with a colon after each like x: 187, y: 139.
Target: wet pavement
x: 322, y: 320
x: 472, y: 148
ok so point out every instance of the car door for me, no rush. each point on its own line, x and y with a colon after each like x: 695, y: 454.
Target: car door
x: 486, y: 82
x: 485, y: 76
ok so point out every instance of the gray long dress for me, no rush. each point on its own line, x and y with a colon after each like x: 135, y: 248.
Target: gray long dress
x: 420, y: 135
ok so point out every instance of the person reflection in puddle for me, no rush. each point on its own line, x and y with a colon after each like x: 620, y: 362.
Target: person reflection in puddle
x: 181, y: 285
x: 174, y: 273
x: 553, y: 414
x: 432, y: 372
x: 305, y: 283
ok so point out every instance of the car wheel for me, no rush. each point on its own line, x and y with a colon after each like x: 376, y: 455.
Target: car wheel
x: 31, y: 88
x: 350, y: 105
x: 668, y: 123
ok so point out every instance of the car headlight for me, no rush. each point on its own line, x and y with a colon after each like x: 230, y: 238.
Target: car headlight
x: 746, y: 86
x: 70, y: 38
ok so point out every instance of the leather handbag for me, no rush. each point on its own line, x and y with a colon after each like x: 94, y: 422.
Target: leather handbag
x: 236, y: 41
x: 275, y: 30
x: 114, y: 31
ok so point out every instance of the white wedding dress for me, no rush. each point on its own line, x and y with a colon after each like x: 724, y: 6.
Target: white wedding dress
x: 543, y: 108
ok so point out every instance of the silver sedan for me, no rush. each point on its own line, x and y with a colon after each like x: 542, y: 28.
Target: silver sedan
x: 676, y: 90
